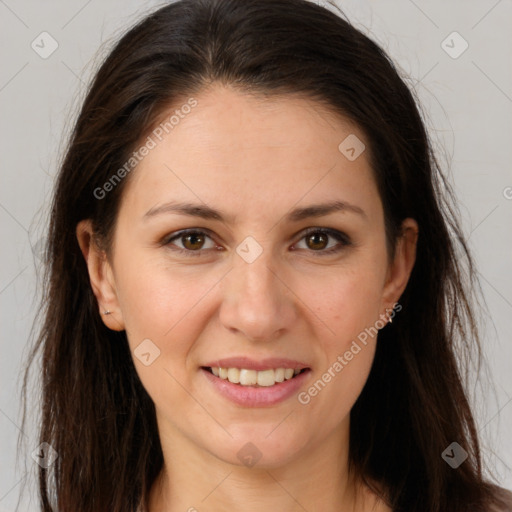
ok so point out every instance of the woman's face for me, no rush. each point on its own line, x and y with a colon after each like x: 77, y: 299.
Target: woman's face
x: 272, y: 276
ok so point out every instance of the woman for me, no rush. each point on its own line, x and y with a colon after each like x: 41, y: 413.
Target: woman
x: 253, y: 297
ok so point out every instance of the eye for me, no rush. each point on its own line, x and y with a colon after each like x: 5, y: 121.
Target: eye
x: 194, y: 242
x: 191, y: 240
x: 321, y: 240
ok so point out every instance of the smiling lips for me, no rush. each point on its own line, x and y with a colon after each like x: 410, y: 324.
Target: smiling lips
x: 256, y: 383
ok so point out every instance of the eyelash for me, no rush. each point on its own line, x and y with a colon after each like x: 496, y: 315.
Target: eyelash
x: 342, y: 238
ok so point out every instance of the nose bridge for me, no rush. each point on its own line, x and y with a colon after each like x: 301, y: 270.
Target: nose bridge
x: 253, y: 261
x: 256, y: 281
x: 255, y: 301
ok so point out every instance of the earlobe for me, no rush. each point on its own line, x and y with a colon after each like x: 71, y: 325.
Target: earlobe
x: 100, y: 276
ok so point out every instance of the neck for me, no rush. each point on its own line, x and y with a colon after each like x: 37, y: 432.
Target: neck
x: 318, y: 479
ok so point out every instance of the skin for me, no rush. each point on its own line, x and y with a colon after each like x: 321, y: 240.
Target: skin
x: 255, y: 160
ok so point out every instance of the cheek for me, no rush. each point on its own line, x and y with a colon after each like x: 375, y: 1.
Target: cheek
x: 158, y: 301
x: 164, y: 305
x: 347, y: 359
x: 349, y: 305
x: 333, y: 393
x: 346, y: 300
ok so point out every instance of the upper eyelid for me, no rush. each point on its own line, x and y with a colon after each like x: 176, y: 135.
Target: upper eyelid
x: 182, y: 232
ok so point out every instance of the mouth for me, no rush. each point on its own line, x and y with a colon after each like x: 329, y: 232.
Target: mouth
x: 253, y: 378
x: 256, y: 382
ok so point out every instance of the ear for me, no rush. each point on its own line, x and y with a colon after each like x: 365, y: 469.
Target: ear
x: 101, y: 277
x: 401, y: 267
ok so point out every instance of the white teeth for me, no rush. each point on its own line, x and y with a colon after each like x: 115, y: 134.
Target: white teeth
x: 233, y: 375
x: 279, y: 375
x: 246, y: 377
x: 288, y: 373
x: 266, y: 378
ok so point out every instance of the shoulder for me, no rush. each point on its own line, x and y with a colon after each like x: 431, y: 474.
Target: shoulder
x: 505, y: 496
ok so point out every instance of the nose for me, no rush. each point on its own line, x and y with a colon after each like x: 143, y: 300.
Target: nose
x: 258, y: 303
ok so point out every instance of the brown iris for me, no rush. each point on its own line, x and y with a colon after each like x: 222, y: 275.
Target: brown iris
x: 193, y: 241
x: 319, y: 241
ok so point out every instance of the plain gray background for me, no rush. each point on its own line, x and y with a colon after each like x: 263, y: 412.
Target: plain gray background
x: 466, y: 96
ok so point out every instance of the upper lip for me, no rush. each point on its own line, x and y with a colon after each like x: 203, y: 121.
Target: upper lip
x: 258, y: 365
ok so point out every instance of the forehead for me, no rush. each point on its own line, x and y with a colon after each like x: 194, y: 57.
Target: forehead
x: 237, y: 148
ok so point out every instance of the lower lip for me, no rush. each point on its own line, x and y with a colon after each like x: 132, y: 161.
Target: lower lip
x: 250, y: 396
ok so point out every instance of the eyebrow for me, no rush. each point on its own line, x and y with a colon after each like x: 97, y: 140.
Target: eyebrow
x: 206, y: 212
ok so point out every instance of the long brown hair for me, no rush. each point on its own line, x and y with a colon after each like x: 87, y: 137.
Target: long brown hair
x: 96, y: 413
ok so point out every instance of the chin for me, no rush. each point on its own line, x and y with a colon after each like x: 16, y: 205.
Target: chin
x: 260, y: 450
